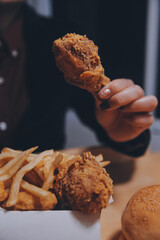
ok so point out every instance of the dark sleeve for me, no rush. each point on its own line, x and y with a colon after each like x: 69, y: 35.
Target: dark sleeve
x: 135, y: 147
x: 83, y: 104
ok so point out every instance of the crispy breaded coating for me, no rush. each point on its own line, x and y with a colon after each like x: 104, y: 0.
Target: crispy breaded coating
x: 25, y: 201
x: 77, y: 57
x: 3, y: 192
x: 49, y: 202
x: 82, y: 184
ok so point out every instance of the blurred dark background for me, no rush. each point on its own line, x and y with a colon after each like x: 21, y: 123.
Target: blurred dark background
x: 128, y: 36
x: 117, y: 27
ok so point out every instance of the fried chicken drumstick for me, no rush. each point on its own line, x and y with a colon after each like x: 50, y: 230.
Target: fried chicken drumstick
x: 82, y: 184
x: 77, y: 57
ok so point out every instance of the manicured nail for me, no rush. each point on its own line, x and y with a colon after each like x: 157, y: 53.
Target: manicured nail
x: 104, y: 93
x: 105, y: 105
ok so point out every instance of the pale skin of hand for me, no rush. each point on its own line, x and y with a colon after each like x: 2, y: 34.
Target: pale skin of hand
x: 129, y: 112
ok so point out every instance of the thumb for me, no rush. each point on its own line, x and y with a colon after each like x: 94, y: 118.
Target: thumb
x: 98, y: 101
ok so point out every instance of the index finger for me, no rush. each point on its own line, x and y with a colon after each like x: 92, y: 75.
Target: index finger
x: 114, y: 87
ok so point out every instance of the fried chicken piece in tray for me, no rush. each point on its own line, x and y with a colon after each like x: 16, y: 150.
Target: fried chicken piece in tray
x: 82, y: 184
x: 3, y: 192
x: 77, y: 57
x: 27, y: 201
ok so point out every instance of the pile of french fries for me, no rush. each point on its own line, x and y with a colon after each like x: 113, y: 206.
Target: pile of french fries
x: 39, y: 170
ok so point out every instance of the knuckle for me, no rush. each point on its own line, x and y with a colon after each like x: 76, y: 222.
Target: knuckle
x: 130, y: 82
x: 139, y: 90
x: 121, y: 83
x: 155, y: 101
x: 116, y: 85
x: 117, y: 100
x: 150, y: 120
x: 145, y: 120
x: 152, y: 108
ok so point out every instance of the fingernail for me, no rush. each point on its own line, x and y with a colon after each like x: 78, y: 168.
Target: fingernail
x: 105, y: 105
x: 104, y: 93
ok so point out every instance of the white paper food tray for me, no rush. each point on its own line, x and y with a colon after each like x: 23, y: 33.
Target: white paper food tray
x: 49, y: 225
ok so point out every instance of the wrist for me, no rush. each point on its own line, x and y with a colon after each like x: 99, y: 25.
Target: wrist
x: 134, y: 147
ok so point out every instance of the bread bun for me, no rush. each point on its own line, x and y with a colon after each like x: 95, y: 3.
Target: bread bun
x: 141, y: 218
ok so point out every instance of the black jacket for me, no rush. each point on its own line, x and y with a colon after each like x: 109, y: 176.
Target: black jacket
x: 50, y: 96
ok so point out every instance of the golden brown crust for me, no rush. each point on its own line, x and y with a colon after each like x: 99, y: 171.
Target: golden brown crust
x: 77, y: 57
x: 141, y: 218
x: 82, y: 184
x: 3, y: 192
x: 49, y: 202
x: 26, y: 201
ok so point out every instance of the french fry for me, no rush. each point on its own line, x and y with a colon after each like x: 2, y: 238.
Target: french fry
x: 40, y: 173
x: 48, y: 164
x: 11, y: 167
x: 3, y: 162
x: 18, y: 163
x: 10, y: 172
x: 57, y: 160
x: 49, y: 180
x: 39, y: 192
x: 9, y: 150
x: 47, y: 183
x: 67, y: 157
x: 18, y: 177
x: 7, y: 156
x: 99, y: 158
x: 4, y: 156
x: 46, y: 158
x: 105, y: 163
x: 47, y: 167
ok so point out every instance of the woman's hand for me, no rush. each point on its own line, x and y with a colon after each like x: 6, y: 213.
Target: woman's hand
x: 125, y: 111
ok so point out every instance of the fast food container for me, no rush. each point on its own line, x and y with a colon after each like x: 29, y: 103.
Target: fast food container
x: 48, y: 225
